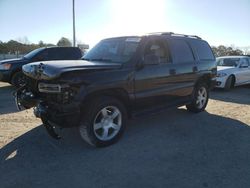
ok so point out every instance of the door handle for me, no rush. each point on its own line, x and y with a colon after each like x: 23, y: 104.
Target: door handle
x: 195, y: 69
x: 172, y: 71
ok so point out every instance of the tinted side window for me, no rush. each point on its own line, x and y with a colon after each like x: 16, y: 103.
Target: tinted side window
x: 71, y: 53
x: 181, y: 51
x: 41, y: 56
x: 55, y: 54
x: 203, y: 50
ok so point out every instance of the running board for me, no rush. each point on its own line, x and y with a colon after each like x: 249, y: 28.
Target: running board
x: 159, y: 108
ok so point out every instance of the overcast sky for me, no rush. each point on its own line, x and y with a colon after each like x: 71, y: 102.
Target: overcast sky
x: 224, y: 22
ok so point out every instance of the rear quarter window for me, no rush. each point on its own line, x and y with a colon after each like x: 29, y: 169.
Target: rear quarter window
x: 203, y: 50
x: 181, y: 51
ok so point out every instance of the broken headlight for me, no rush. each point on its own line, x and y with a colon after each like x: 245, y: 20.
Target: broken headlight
x: 51, y: 88
x: 60, y: 93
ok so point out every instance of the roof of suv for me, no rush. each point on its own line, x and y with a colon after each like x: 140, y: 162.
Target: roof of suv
x: 175, y: 35
x: 60, y: 47
x: 171, y: 34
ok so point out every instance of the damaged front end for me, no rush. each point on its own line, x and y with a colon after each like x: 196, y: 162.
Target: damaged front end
x: 56, y: 104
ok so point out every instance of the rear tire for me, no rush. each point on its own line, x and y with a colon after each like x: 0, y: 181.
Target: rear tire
x: 18, y: 79
x: 104, y: 122
x: 200, y: 98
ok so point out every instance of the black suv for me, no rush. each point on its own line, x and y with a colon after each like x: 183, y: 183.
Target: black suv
x: 119, y: 78
x: 11, y: 69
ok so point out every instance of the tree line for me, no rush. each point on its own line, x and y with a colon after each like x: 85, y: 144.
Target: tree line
x: 228, y: 51
x: 15, y: 47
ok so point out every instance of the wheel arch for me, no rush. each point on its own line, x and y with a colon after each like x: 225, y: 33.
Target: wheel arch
x: 117, y: 93
x: 234, y: 78
x: 233, y: 81
x: 204, y: 78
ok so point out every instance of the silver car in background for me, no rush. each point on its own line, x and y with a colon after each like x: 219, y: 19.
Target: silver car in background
x: 232, y: 71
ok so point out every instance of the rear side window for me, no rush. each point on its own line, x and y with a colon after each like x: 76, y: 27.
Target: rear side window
x: 203, y: 50
x: 181, y: 51
x: 71, y: 53
x: 55, y: 54
x: 64, y: 54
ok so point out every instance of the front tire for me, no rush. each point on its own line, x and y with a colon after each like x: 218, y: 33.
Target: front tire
x: 18, y: 80
x: 104, y: 122
x: 200, y: 99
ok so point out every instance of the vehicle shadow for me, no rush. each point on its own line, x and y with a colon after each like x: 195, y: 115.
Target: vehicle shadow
x: 240, y: 95
x: 173, y: 149
x: 7, y: 102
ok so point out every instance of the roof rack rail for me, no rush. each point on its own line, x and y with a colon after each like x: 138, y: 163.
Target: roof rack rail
x: 175, y: 34
x: 161, y: 33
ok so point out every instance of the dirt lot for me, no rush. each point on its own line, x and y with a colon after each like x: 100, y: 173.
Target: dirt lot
x: 172, y: 149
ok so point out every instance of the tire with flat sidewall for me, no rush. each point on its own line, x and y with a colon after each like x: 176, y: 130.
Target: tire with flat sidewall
x: 192, y: 107
x: 86, y: 127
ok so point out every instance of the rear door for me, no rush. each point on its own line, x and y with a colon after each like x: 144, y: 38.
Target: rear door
x: 161, y: 83
x: 185, y: 69
x: 205, y: 63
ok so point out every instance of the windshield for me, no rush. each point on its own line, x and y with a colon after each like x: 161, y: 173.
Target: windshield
x: 32, y: 53
x: 228, y: 62
x: 119, y: 50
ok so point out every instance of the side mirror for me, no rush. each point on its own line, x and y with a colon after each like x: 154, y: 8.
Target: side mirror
x: 151, y: 59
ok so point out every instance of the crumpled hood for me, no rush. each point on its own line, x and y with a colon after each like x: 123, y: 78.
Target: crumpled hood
x: 12, y: 61
x: 49, y: 70
x: 225, y: 69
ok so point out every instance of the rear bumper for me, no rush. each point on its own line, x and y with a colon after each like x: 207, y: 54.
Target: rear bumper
x: 5, y: 75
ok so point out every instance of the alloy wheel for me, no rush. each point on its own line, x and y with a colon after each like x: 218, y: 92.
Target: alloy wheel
x: 201, y: 97
x: 107, y: 123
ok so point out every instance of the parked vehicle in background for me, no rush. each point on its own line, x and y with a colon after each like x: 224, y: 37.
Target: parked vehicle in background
x: 11, y: 69
x: 119, y: 78
x: 232, y: 71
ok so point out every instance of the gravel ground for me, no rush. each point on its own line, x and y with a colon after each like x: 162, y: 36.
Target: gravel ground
x: 172, y: 149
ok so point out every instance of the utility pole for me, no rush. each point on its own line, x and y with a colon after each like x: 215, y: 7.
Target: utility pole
x: 74, y: 34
